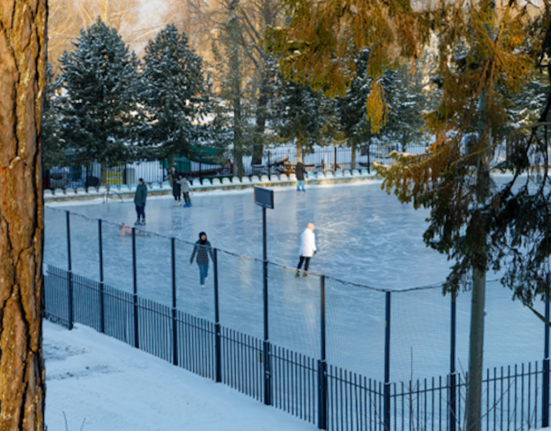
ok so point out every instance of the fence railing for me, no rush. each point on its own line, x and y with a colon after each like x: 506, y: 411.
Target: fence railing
x: 273, y: 161
x: 311, y: 386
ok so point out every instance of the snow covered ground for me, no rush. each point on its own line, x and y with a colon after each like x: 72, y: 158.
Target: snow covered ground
x: 364, y: 236
x: 112, y: 386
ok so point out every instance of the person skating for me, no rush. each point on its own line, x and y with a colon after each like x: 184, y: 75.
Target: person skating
x: 176, y: 188
x: 300, y: 170
x: 184, y: 184
x: 202, y: 249
x: 139, y: 200
x: 307, y: 248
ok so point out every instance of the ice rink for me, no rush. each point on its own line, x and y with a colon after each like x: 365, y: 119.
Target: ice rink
x: 363, y: 236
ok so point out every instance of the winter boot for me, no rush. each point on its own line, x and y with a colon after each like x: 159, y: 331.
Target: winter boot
x: 143, y: 222
x: 137, y: 222
x: 305, y: 274
x: 297, y: 275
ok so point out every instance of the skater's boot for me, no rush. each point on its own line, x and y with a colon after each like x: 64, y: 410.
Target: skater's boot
x: 143, y: 222
x: 137, y: 222
x: 175, y: 204
x: 298, y: 189
x: 303, y: 190
x: 297, y: 275
x: 305, y: 274
x: 189, y: 204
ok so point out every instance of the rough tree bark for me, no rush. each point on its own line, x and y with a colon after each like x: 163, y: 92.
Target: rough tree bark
x: 22, y: 81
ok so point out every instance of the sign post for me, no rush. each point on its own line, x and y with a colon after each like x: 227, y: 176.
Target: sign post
x: 265, y: 198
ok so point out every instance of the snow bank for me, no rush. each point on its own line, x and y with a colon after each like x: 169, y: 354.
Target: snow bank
x: 113, y: 386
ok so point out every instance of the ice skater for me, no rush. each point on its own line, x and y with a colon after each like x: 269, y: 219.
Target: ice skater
x: 307, y: 249
x: 202, y: 249
x: 176, y: 186
x: 184, y: 185
x: 125, y: 230
x: 300, y: 170
x: 139, y: 200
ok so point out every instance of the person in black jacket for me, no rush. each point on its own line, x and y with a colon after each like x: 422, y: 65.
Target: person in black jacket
x: 176, y: 188
x: 202, y: 249
x: 300, y: 170
x: 139, y: 200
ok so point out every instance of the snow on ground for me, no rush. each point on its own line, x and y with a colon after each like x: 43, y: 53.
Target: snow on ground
x: 113, y: 386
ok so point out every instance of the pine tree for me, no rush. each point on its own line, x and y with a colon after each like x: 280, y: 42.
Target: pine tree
x: 53, y: 144
x: 351, y: 108
x: 174, y: 95
x: 302, y: 114
x: 410, y: 93
x: 99, y: 79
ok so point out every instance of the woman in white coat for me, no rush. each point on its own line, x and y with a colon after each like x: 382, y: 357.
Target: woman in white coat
x: 307, y: 248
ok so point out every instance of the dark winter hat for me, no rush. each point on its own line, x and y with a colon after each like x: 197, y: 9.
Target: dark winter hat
x: 141, y: 180
x: 201, y: 234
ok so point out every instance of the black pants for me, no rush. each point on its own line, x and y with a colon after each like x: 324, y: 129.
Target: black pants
x: 304, y: 259
x: 176, y: 194
x: 186, y: 197
x: 140, y: 211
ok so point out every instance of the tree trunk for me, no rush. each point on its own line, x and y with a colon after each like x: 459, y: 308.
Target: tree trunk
x: 103, y: 174
x: 299, y: 148
x: 22, y: 82
x: 353, y: 157
x: 170, y: 164
x: 476, y: 349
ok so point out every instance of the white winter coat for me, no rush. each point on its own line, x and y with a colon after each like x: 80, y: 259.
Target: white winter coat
x: 307, y: 243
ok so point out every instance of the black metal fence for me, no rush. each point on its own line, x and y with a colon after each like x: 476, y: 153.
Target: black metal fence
x: 309, y: 386
x: 273, y: 161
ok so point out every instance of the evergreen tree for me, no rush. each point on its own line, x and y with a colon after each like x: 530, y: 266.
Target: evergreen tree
x: 53, y: 144
x: 409, y: 94
x: 173, y: 93
x: 302, y: 114
x: 351, y: 109
x: 99, y: 102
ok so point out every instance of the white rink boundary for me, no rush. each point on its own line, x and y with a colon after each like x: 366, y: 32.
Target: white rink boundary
x: 114, y: 193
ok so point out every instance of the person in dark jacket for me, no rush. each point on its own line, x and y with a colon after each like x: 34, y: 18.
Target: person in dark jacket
x: 202, y: 249
x: 139, y: 200
x: 176, y: 188
x: 300, y: 170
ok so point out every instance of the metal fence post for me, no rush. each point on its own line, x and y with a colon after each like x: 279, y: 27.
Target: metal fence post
x: 101, y: 280
x: 269, y: 168
x: 135, y: 275
x: 200, y: 169
x: 386, y: 406
x: 322, y: 364
x: 174, y: 321
x: 267, y: 371
x: 70, y: 271
x: 452, y: 388
x: 217, y: 340
x: 545, y: 394
x: 334, y: 160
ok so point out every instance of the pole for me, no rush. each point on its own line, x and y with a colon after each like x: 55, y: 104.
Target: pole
x: 386, y: 406
x: 267, y: 373
x: 269, y: 168
x: 200, y: 169
x: 334, y: 160
x: 174, y: 320
x: 70, y: 272
x: 453, y: 388
x: 217, y: 342
x: 545, y: 398
x: 101, y: 279
x: 135, y: 275
x: 368, y: 159
x: 322, y: 364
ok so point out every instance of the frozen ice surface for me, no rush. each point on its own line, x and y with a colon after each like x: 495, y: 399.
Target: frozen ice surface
x: 363, y: 236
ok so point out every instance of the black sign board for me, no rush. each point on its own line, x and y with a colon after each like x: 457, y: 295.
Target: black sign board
x: 264, y: 197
